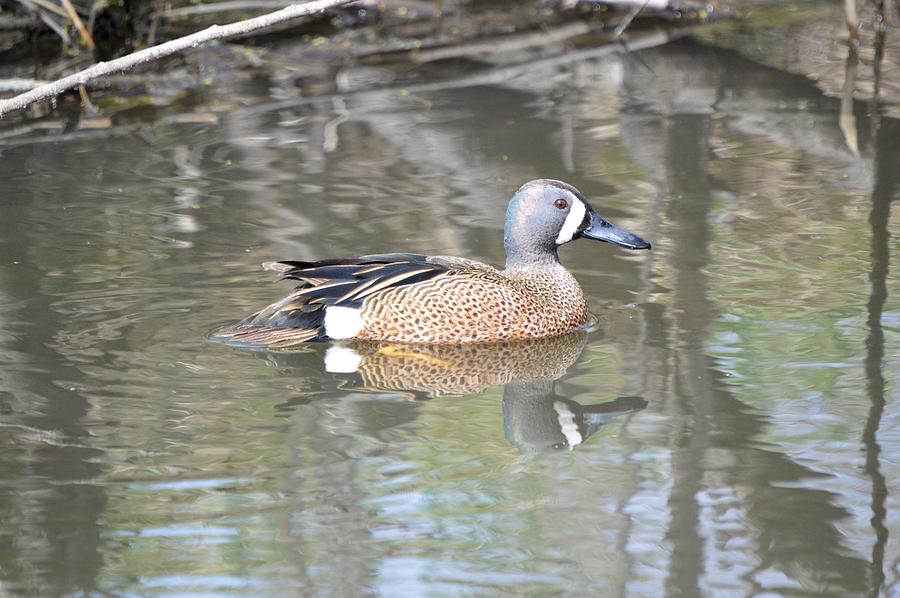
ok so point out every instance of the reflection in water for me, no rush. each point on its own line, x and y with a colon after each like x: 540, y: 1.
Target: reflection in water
x: 788, y: 539
x: 50, y: 535
x: 884, y: 192
x: 792, y: 524
x: 535, y: 418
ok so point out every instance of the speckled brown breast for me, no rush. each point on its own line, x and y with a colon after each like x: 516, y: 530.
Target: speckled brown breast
x: 478, y: 305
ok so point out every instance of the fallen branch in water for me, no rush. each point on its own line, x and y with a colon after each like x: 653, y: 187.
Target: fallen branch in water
x: 489, y: 76
x: 16, y: 85
x: 632, y: 14
x: 19, y: 23
x: 223, y: 6
x: 162, y: 50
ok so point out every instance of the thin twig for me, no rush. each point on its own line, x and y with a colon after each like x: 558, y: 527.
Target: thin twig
x: 154, y: 27
x: 86, y: 102
x: 852, y: 20
x: 79, y: 24
x: 55, y: 27
x: 632, y: 14
x: 46, y: 5
x: 171, y: 47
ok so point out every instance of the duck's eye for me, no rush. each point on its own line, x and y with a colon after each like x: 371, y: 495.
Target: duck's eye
x: 560, y: 204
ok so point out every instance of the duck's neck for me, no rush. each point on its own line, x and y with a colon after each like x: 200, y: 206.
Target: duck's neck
x: 521, y: 256
x: 513, y: 264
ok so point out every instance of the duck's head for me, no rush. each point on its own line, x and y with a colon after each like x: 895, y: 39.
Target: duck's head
x: 545, y: 213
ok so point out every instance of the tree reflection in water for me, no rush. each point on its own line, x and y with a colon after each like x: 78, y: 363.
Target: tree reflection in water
x: 116, y: 412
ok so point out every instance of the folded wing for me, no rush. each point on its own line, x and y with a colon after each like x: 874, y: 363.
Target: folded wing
x: 345, y: 283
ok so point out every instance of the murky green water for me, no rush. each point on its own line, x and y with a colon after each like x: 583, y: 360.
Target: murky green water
x: 731, y: 428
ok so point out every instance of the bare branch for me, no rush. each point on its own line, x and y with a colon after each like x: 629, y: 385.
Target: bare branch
x: 55, y: 27
x: 171, y: 47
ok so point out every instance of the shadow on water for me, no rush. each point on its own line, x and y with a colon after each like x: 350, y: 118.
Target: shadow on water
x: 741, y: 511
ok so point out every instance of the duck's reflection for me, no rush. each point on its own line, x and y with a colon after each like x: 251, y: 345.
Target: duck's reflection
x: 535, y: 417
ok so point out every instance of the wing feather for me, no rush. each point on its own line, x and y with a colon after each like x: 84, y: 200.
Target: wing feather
x: 377, y: 284
x: 343, y: 282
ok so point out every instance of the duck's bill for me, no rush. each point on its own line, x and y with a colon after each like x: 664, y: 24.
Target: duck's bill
x: 601, y: 230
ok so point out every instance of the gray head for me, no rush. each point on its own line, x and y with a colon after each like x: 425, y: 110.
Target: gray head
x: 544, y: 214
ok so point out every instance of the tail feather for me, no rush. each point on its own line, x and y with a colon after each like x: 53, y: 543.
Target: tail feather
x: 266, y: 336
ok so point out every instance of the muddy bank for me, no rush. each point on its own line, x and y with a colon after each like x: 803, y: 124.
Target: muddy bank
x: 402, y: 47
x: 36, y: 47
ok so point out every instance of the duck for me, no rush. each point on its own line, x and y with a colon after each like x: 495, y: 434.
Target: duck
x: 421, y: 299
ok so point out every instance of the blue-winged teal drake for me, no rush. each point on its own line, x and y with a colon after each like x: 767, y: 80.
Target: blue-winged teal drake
x: 410, y: 298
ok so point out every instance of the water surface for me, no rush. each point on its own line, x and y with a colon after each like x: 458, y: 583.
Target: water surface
x: 729, y: 429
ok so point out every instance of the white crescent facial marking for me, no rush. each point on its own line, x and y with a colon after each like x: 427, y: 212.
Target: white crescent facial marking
x: 342, y: 322
x: 341, y: 360
x: 567, y: 424
x: 573, y: 221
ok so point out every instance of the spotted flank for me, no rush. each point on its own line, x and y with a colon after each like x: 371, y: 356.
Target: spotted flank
x: 413, y: 298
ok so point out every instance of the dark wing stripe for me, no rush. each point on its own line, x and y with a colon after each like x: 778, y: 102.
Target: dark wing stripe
x: 328, y: 286
x: 373, y: 269
x: 380, y: 284
x: 392, y: 258
x: 360, y: 286
x: 293, y: 269
x: 348, y: 285
x: 387, y: 272
x: 343, y: 271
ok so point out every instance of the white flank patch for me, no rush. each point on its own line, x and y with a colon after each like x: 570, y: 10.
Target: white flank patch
x: 342, y: 360
x: 567, y: 424
x: 342, y: 322
x: 573, y: 221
